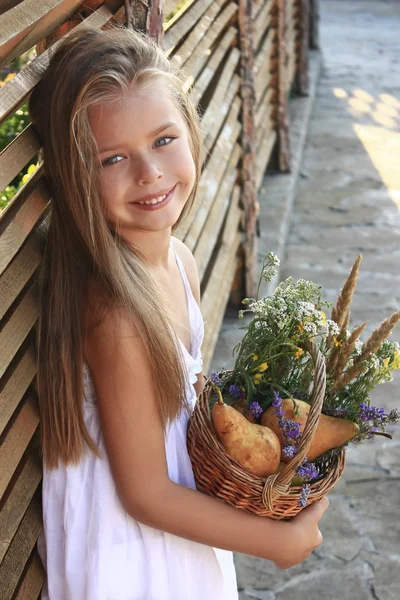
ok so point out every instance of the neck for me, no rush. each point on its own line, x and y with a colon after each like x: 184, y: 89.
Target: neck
x: 155, y: 247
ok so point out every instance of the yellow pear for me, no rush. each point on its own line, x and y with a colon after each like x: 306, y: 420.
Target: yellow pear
x: 255, y: 447
x: 330, y: 433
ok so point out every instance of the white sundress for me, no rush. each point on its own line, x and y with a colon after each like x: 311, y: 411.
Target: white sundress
x: 93, y: 550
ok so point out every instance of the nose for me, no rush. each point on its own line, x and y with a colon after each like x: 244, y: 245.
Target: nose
x: 147, y: 170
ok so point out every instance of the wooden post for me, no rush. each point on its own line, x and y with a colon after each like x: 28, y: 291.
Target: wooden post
x: 248, y: 172
x: 280, y: 100
x: 302, y: 46
x: 147, y: 17
x: 314, y: 24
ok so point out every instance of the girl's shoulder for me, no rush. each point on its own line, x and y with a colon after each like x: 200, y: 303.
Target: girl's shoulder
x: 190, y: 266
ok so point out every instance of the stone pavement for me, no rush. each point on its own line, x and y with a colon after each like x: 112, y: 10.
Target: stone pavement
x: 346, y: 202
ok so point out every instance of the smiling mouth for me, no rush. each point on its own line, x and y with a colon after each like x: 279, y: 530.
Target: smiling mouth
x: 155, y: 203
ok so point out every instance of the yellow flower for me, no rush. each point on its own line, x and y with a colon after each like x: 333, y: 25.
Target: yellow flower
x: 337, y: 342
x: 395, y: 364
x: 300, y: 327
x: 298, y: 353
x: 386, y: 362
x: 257, y: 378
x: 254, y: 356
x: 323, y: 317
x: 263, y: 367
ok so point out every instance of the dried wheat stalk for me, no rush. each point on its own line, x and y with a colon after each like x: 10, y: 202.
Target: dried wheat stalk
x: 371, y: 346
x: 346, y: 295
x: 347, y: 349
x: 341, y: 312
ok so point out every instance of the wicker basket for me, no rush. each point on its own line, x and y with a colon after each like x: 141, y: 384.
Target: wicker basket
x: 219, y: 475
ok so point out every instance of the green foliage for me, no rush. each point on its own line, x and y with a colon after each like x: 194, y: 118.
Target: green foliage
x: 13, y: 126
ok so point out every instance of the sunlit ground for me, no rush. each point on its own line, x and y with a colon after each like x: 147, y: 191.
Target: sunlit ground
x: 379, y: 133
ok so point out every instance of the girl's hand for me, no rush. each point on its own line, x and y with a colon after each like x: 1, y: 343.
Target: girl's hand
x: 302, y: 536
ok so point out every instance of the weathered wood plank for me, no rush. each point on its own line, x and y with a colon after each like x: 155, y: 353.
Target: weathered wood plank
x: 302, y: 53
x: 33, y: 580
x: 18, y: 501
x: 201, y: 83
x: 263, y: 116
x: 262, y: 23
x: 208, y: 237
x: 218, y: 107
x: 14, y: 92
x: 29, y: 22
x: 281, y: 100
x: 16, y: 386
x: 249, y: 197
x: 183, y: 21
x: 196, y: 36
x: 17, y: 154
x: 16, y: 328
x: 28, y: 208
x: 17, y: 439
x: 20, y: 548
x: 264, y: 156
x: 212, y: 175
x: 200, y: 56
x: 19, y: 272
x: 217, y: 294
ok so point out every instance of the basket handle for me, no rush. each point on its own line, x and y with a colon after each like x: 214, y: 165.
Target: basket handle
x: 279, y: 483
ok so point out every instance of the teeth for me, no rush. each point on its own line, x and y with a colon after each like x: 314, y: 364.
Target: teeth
x: 155, y: 200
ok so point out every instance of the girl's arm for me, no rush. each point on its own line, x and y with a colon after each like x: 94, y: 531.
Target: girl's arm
x: 135, y: 445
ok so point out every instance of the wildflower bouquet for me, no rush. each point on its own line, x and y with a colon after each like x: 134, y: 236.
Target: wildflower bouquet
x: 274, y: 383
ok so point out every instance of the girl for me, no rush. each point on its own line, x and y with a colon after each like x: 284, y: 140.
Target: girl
x: 119, y: 337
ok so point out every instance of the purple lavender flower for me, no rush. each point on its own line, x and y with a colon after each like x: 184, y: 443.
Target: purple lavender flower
x: 371, y: 413
x: 236, y: 391
x: 289, y: 451
x: 255, y: 409
x: 215, y: 378
x: 290, y: 429
x: 305, y: 492
x: 307, y: 471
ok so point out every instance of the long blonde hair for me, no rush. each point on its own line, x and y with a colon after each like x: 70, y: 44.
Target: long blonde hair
x: 88, y: 67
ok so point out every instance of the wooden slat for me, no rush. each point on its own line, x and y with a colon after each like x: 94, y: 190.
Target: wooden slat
x: 182, y: 22
x: 210, y: 179
x: 209, y: 70
x: 33, y: 580
x: 201, y: 55
x: 220, y: 271
x: 208, y: 237
x: 264, y: 156
x: 16, y: 441
x: 198, y: 33
x: 19, y: 272
x: 16, y: 386
x: 218, y: 115
x: 14, y: 92
x: 18, y: 501
x: 20, y: 549
x: 29, y: 22
x: 262, y: 23
x: 17, y: 328
x: 218, y: 294
x: 257, y: 10
x: 212, y: 176
x: 218, y: 108
x: 27, y: 210
x: 17, y: 154
x: 263, y: 120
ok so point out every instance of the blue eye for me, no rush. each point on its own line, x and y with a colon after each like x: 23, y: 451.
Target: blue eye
x: 111, y: 160
x: 170, y: 137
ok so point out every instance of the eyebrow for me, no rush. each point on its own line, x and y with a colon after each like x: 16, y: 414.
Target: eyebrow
x: 152, y: 134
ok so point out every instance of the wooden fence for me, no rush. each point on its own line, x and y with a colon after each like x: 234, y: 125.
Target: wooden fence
x: 243, y: 57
